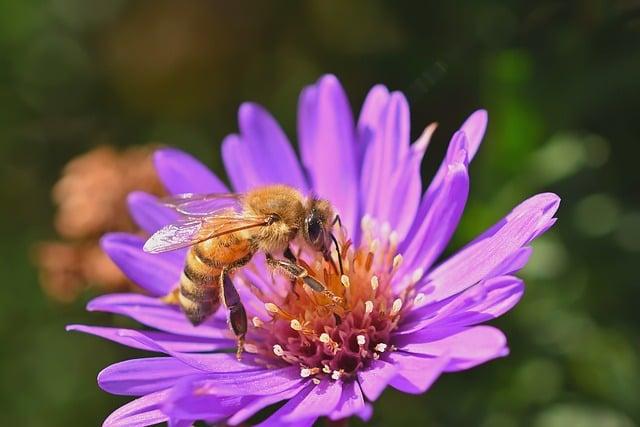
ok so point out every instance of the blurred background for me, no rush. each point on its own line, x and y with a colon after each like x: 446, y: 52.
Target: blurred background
x: 99, y: 84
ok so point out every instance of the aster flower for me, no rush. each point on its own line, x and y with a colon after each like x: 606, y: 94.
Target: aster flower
x: 404, y: 320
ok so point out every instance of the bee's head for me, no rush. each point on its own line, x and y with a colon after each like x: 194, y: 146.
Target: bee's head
x: 317, y: 224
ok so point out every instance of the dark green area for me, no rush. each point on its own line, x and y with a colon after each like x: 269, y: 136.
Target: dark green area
x: 561, y: 83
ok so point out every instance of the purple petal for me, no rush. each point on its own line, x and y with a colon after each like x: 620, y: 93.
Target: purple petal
x: 438, y: 217
x: 173, y: 342
x: 156, y: 273
x: 415, y: 373
x: 321, y: 400
x: 182, y: 173
x: 190, y: 400
x: 474, y: 127
x: 159, y: 315
x: 137, y: 377
x: 369, y: 120
x: 148, y: 213
x: 327, y: 144
x: 351, y: 402
x: 262, y: 154
x: 483, y: 302
x: 374, y: 380
x: 275, y: 420
x: 477, y: 342
x: 144, y: 411
x: 262, y: 402
x: 513, y: 263
x: 474, y: 262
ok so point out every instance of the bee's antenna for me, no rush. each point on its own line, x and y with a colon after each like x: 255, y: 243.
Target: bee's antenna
x: 335, y: 241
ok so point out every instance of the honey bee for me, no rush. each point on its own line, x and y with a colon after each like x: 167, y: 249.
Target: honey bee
x: 224, y: 231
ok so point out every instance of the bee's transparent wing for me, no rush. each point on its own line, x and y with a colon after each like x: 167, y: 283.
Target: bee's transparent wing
x: 190, y: 230
x: 191, y: 204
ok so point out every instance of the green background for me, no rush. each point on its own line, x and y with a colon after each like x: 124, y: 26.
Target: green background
x: 560, y: 80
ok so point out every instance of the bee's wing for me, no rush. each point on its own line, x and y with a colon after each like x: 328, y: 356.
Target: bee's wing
x: 188, y: 231
x: 191, y: 204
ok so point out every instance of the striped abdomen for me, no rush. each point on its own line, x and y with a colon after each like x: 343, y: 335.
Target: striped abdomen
x: 200, y: 280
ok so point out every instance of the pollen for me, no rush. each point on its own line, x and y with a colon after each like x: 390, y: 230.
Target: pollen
x: 296, y: 325
x: 361, y: 339
x: 417, y: 275
x: 325, y: 338
x: 305, y: 372
x: 271, y: 307
x: 344, y: 279
x: 375, y: 282
x: 368, y: 307
x: 397, y: 261
x: 396, y: 307
x: 257, y: 322
x: 336, y: 375
x: 418, y: 300
x: 277, y: 350
x: 380, y: 348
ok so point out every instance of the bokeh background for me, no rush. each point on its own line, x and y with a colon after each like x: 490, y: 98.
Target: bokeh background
x: 561, y: 81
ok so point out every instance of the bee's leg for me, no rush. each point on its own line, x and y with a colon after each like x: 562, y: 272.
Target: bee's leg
x: 288, y: 254
x: 298, y: 272
x: 237, y: 313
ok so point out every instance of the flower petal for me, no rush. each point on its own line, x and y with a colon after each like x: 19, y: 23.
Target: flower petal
x: 159, y: 315
x: 261, y: 402
x: 474, y: 127
x: 262, y: 154
x: 182, y: 173
x: 485, y: 301
x: 374, y: 380
x: 190, y: 400
x: 474, y: 343
x: 369, y: 120
x: 144, y: 411
x: 156, y: 273
x: 474, y: 262
x: 137, y: 377
x: 327, y: 144
x: 173, y: 342
x: 438, y: 216
x: 275, y: 420
x: 351, y: 402
x: 416, y: 373
x: 148, y: 213
x: 321, y: 400
x: 513, y: 263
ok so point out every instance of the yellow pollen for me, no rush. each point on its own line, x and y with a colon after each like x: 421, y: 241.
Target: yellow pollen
x: 368, y: 306
x: 417, y: 275
x: 336, y: 375
x: 295, y: 325
x: 344, y: 279
x: 277, y: 350
x: 271, y: 307
x: 374, y: 282
x: 397, y: 260
x: 305, y: 372
x: 326, y: 369
x: 361, y: 339
x: 325, y: 338
x: 316, y: 381
x: 381, y: 347
x: 373, y: 246
x: 396, y: 307
x: 418, y: 300
x: 257, y: 322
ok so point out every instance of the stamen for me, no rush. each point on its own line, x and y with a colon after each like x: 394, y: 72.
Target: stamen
x: 344, y: 279
x: 272, y: 308
x: 325, y: 338
x: 361, y: 340
x: 374, y: 282
x: 368, y: 307
x: 316, y: 381
x: 394, y: 239
x: 326, y: 369
x: 373, y: 246
x: 257, y: 322
x: 305, y: 372
x: 397, y: 260
x: 380, y: 348
x: 396, y: 307
x: 295, y: 325
x: 418, y: 300
x: 385, y: 230
x: 277, y: 350
x: 336, y: 375
x: 417, y: 275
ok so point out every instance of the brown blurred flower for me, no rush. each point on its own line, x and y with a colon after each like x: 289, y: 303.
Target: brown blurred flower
x: 91, y: 200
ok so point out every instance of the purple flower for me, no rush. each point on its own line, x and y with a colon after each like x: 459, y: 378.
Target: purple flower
x: 404, y: 321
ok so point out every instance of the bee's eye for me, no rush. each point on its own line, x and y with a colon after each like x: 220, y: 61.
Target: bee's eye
x: 314, y: 229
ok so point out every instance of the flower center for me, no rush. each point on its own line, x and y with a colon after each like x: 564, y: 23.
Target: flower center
x: 336, y: 339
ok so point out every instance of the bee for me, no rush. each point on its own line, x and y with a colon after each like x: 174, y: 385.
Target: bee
x: 224, y: 231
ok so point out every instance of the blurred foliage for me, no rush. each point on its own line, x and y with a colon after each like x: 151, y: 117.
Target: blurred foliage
x: 559, y: 78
